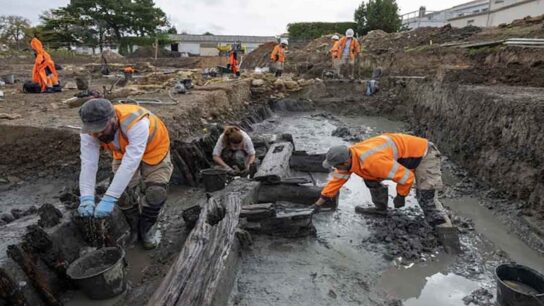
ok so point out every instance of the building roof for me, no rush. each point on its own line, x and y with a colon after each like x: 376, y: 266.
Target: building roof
x: 221, y: 38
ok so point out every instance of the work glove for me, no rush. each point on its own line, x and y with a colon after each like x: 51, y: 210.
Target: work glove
x: 399, y: 201
x: 315, y: 208
x: 105, y: 207
x: 86, y: 206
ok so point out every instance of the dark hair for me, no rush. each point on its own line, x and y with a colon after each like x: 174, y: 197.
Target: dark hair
x: 232, y: 134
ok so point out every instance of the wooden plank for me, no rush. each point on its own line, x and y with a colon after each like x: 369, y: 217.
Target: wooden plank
x: 275, y: 165
x: 289, y: 193
x: 302, y: 161
x: 194, y: 278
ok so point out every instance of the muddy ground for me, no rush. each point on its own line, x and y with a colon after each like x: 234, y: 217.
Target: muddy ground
x: 352, y: 262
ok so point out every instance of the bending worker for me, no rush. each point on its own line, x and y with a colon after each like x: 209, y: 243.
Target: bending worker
x: 398, y: 157
x: 44, y: 72
x: 278, y: 56
x: 140, y: 145
x: 335, y: 54
x: 233, y: 62
x: 348, y: 50
x: 234, y: 151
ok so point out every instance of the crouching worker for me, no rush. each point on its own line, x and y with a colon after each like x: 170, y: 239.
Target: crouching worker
x: 397, y: 157
x: 234, y: 152
x: 44, y: 71
x: 140, y: 145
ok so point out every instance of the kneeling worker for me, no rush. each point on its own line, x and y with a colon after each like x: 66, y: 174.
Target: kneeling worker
x: 234, y: 151
x: 398, y: 157
x: 140, y: 145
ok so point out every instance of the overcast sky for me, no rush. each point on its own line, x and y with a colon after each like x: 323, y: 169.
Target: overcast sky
x: 243, y: 17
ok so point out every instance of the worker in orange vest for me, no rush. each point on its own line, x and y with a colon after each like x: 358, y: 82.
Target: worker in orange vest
x: 335, y: 53
x: 398, y: 157
x: 233, y: 62
x: 278, y: 56
x: 348, y: 50
x: 139, y: 143
x: 128, y: 71
x: 44, y: 71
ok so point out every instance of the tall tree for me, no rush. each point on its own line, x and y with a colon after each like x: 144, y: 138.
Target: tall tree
x: 378, y: 15
x: 12, y: 29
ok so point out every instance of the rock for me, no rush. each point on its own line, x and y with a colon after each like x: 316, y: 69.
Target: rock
x: 7, y: 217
x: 31, y: 210
x: 70, y: 85
x: 279, y: 84
x: 332, y: 294
x: 291, y: 85
x: 341, y: 132
x: 49, y: 216
x: 17, y: 213
x: 257, y: 82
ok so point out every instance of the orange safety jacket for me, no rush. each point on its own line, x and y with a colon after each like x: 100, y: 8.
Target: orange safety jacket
x: 43, y: 60
x: 278, y: 54
x: 233, y: 62
x: 158, y: 143
x: 334, y: 50
x: 128, y: 70
x: 386, y: 157
x: 354, y: 47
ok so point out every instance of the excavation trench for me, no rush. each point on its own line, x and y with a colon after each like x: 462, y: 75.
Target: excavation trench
x: 352, y: 260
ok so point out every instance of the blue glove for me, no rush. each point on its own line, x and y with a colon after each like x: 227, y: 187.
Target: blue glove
x: 105, y: 207
x: 86, y: 206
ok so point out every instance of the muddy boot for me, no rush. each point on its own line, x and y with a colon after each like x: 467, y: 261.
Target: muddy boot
x: 427, y: 203
x: 129, y: 205
x: 154, y: 199
x: 379, y: 198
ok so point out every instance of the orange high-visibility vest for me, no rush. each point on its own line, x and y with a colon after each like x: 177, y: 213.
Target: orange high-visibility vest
x: 233, y: 62
x: 280, y: 52
x: 334, y: 50
x: 158, y: 143
x: 354, y: 47
x: 43, y: 60
x: 386, y: 157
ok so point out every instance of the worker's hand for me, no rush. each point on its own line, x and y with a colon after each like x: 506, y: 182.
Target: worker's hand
x: 315, y: 208
x: 86, y: 206
x: 399, y: 201
x: 105, y: 207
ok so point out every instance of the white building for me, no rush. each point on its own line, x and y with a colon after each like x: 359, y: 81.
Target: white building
x: 499, y: 12
x: 481, y: 13
x: 207, y: 45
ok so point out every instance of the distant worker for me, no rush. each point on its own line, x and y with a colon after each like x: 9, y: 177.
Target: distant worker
x: 335, y: 54
x: 278, y: 56
x: 140, y: 145
x: 398, y: 157
x: 234, y: 151
x: 233, y: 61
x: 348, y: 50
x: 44, y: 71
x: 128, y: 72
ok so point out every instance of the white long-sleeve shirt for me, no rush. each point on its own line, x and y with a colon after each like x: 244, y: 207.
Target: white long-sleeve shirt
x: 137, y: 136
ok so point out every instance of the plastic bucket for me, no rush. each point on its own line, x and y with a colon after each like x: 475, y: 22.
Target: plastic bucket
x: 519, y: 285
x: 213, y: 179
x: 100, y: 274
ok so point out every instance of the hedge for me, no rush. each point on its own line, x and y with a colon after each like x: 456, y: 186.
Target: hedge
x: 312, y: 30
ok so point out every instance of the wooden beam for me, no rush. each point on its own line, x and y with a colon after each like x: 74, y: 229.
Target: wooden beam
x: 194, y: 278
x: 302, y: 161
x: 275, y: 165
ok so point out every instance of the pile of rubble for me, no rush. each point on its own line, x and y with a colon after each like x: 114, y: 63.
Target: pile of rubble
x: 277, y: 88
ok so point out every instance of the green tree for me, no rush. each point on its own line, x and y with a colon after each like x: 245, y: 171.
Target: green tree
x: 100, y: 22
x: 13, y: 29
x: 378, y: 15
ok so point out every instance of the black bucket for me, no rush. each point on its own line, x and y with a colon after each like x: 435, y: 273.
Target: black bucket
x: 101, y: 274
x: 214, y: 179
x: 519, y: 285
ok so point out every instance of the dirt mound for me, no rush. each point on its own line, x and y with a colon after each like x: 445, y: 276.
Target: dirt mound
x: 149, y: 51
x: 111, y: 56
x: 259, y: 57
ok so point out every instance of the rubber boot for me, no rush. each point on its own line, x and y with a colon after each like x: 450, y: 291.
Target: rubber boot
x: 427, y: 203
x: 147, y: 226
x: 129, y: 205
x: 380, y: 197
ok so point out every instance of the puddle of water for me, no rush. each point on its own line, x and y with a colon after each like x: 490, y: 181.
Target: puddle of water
x: 444, y: 290
x: 487, y: 224
x: 28, y: 194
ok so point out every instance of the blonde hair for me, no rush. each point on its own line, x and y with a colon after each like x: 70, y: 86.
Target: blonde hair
x: 232, y: 134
